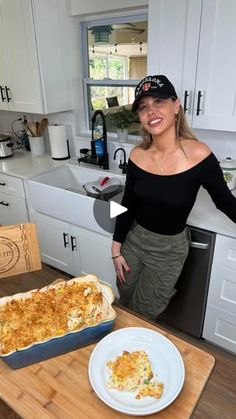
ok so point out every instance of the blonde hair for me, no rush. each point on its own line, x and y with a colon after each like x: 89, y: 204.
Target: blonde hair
x: 182, y: 130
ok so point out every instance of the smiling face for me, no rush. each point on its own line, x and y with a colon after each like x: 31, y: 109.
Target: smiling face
x: 157, y: 115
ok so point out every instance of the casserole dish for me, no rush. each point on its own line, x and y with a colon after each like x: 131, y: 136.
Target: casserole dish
x: 27, y: 319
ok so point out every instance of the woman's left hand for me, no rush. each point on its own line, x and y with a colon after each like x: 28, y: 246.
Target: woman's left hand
x: 121, y: 266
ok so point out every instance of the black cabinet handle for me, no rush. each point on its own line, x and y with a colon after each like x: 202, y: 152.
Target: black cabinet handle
x: 66, y: 239
x: 73, y: 243
x: 8, y: 96
x: 199, y: 96
x: 186, y: 95
x: 2, y: 184
x: 6, y: 204
x: 2, y: 95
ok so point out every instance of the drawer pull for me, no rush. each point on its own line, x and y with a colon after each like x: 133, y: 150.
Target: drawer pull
x: 8, y: 93
x: 73, y: 243
x: 2, y: 95
x: 186, y: 95
x: 6, y: 204
x: 66, y: 239
x: 198, y: 245
x: 2, y: 184
x: 199, y: 96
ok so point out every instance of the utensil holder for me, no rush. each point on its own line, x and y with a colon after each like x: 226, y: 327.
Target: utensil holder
x: 37, y: 146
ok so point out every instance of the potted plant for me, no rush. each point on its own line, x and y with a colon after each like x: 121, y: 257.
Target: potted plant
x: 120, y: 120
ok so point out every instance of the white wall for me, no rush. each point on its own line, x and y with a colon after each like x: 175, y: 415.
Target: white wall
x: 85, y: 7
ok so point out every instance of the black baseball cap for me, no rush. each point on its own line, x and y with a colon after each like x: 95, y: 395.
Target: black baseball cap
x: 157, y: 86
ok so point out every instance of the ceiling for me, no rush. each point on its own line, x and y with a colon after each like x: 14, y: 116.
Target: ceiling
x: 122, y: 41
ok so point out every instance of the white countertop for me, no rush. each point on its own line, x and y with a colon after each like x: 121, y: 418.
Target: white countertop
x: 203, y: 215
x: 22, y: 164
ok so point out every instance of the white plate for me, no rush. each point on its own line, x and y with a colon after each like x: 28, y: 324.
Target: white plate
x: 165, y: 359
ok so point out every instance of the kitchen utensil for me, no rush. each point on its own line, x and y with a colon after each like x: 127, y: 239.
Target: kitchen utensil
x: 6, y: 149
x: 229, y: 170
x: 43, y: 124
x: 32, y: 128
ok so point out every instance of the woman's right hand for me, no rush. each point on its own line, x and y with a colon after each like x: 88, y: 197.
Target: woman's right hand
x: 121, y: 266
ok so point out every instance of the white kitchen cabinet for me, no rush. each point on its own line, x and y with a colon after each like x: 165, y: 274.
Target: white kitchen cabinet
x: 55, y: 243
x: 220, y: 317
x: 173, y: 36
x: 73, y: 249
x: 13, y: 208
x: 36, y: 67
x: 193, y: 43
x: 95, y: 256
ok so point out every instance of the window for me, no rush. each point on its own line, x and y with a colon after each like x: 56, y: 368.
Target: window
x: 115, y: 60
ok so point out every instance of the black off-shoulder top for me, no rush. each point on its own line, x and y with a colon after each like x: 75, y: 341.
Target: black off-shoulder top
x: 162, y: 203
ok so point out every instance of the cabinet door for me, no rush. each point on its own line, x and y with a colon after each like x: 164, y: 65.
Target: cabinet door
x: 4, y: 70
x: 220, y: 328
x: 56, y: 34
x: 95, y: 256
x: 20, y: 43
x: 54, y: 239
x: 216, y: 67
x: 173, y: 37
x: 13, y: 210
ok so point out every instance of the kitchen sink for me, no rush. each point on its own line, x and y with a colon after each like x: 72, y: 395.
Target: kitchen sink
x: 59, y: 193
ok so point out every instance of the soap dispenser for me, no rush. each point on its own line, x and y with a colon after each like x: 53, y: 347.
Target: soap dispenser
x: 99, y: 139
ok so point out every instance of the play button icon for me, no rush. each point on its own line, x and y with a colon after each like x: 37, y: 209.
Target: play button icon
x: 116, y: 209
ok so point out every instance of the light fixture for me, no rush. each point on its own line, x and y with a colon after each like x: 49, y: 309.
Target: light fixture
x: 101, y: 33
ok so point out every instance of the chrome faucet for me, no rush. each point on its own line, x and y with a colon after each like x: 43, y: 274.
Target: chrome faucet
x: 124, y: 165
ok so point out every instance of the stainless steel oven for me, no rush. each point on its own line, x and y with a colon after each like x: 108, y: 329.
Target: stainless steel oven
x: 186, y: 310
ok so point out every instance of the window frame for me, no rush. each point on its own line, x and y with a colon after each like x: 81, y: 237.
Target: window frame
x: 86, y: 80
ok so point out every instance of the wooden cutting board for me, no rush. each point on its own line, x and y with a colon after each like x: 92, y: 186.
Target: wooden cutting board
x: 60, y: 387
x: 19, y: 249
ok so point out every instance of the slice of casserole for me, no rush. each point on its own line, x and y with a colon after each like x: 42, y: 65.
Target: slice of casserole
x: 132, y: 371
x: 52, y: 311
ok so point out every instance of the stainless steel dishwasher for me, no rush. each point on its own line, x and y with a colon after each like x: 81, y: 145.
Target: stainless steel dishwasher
x: 186, y: 309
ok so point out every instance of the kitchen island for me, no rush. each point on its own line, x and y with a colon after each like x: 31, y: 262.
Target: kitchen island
x: 59, y: 387
x: 216, y: 401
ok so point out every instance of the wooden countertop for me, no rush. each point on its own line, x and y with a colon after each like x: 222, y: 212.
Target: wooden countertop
x: 59, y: 387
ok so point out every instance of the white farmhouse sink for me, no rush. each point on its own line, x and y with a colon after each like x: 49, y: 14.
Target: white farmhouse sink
x: 59, y: 193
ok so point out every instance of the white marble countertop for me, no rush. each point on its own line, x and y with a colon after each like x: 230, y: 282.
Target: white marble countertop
x: 203, y: 215
x: 22, y: 164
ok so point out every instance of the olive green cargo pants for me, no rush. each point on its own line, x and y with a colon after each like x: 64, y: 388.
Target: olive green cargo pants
x: 156, y: 262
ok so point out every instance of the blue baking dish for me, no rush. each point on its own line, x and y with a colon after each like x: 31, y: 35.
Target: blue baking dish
x: 59, y: 345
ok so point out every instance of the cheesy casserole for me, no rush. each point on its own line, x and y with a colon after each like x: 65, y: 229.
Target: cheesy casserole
x: 52, y: 311
x: 132, y: 371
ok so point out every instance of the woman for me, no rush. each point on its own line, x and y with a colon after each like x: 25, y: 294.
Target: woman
x: 165, y: 172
